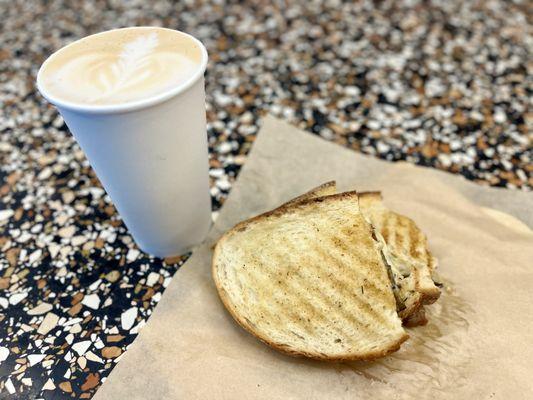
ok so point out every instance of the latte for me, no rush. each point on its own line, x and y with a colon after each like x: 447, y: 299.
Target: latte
x: 121, y: 66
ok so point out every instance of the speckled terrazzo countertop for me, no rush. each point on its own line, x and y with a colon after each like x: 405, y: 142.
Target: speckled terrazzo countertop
x: 442, y: 84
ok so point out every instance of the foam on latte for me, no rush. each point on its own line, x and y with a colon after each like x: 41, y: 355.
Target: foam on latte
x: 120, y: 66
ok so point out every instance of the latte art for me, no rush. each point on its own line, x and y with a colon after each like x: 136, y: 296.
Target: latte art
x: 121, y: 66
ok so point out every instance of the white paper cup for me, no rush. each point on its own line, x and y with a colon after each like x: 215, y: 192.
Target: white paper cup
x: 152, y: 159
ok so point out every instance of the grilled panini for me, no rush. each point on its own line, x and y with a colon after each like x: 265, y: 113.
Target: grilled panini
x: 309, y: 279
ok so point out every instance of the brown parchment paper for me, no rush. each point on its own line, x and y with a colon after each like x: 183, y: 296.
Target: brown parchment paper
x: 478, y: 343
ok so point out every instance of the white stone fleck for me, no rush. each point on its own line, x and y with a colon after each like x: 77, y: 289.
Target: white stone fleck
x: 383, y: 147
x: 132, y: 255
x: 47, y: 363
x: 373, y: 124
x: 455, y: 145
x: 96, y: 192
x: 222, y: 100
x: 50, y: 339
x: 223, y: 184
x: 93, y: 357
x: 53, y: 249
x: 4, y: 353
x: 5, y: 147
x: 15, y: 233
x: 49, y: 323
x: 36, y: 228
x: 68, y: 196
x: 352, y: 91
x: 24, y: 237
x: 67, y: 374
x: 506, y: 164
x: 75, y: 328
x: 73, y: 321
x: 69, y: 338
x: 45, y: 173
x: 22, y: 255
x: 49, y: 385
x: 61, y: 219
x: 16, y: 298
x: 224, y: 147
x: 81, y: 347
x: 78, y: 240
x: 91, y: 301
x: 35, y: 256
x: 35, y: 359
x: 114, y: 330
x: 3, y: 302
x: 434, y: 87
x: 99, y: 344
x: 489, y: 152
x: 216, y: 172
x: 111, y: 237
x: 521, y: 175
x: 82, y: 362
x: 499, y: 116
x: 156, y: 297
x: 67, y: 231
x: 128, y: 317
x: 214, y: 191
x: 9, y: 386
x: 6, y: 214
x: 41, y: 308
x: 444, y: 159
x: 152, y: 279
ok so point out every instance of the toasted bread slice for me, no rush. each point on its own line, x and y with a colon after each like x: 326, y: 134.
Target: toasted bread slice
x: 309, y: 279
x: 407, y: 254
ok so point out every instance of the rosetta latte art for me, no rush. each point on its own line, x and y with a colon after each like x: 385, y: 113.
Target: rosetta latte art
x: 137, y: 63
x: 139, y: 68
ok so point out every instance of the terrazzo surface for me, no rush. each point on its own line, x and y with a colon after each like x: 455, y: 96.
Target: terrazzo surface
x: 441, y: 84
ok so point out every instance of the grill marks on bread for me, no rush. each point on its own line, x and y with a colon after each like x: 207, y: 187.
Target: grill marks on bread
x: 412, y: 262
